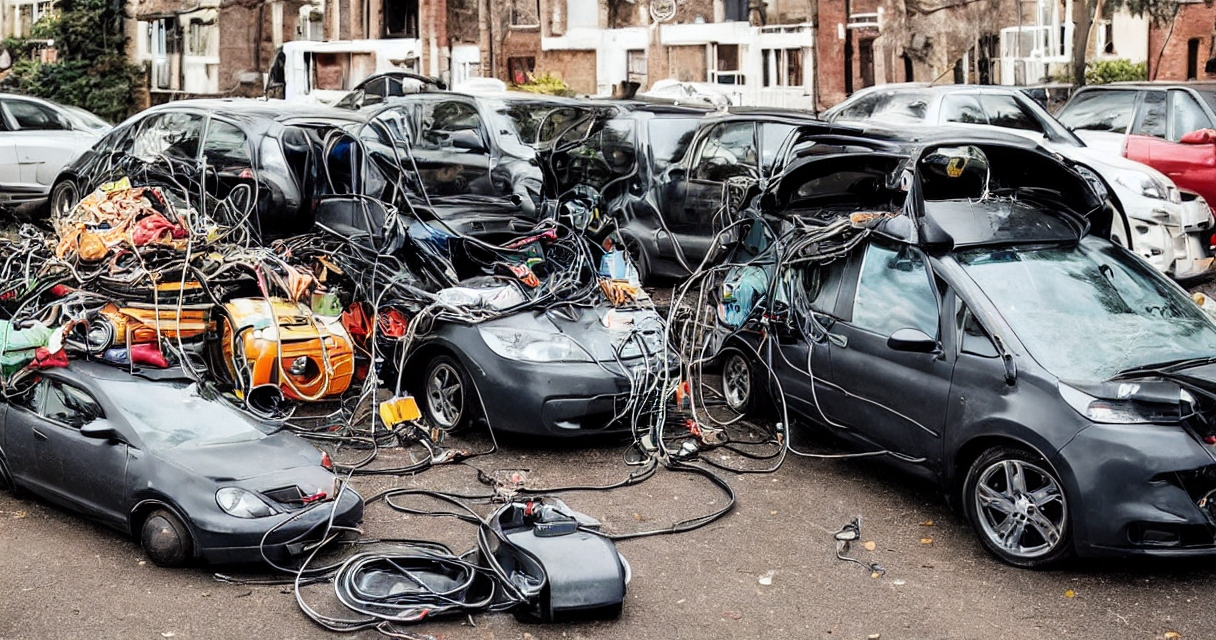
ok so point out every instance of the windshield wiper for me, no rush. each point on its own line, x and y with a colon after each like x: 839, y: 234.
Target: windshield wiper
x: 1169, y: 366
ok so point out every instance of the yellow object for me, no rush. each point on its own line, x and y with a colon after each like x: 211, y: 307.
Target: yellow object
x: 398, y: 410
x: 141, y: 323
x: 284, y: 343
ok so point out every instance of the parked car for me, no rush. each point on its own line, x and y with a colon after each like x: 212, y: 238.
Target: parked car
x: 1057, y: 387
x: 1162, y: 125
x: 378, y: 87
x: 1161, y: 226
x: 671, y: 218
x: 37, y: 139
x: 189, y: 477
x: 623, y: 150
x: 458, y: 145
x: 256, y: 156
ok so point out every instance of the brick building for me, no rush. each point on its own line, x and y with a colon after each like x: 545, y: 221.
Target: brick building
x: 1184, y: 49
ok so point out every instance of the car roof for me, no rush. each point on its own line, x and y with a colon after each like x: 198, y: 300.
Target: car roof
x: 260, y: 109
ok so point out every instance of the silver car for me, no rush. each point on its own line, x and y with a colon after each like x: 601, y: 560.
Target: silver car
x: 1166, y: 227
x: 37, y: 139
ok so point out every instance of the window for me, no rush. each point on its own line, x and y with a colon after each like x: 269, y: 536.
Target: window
x: 1185, y: 115
x: 172, y: 135
x: 443, y: 122
x: 1151, y: 121
x: 726, y: 65
x: 728, y: 151
x: 1099, y: 111
x: 68, y: 405
x: 669, y: 138
x: 29, y: 14
x: 972, y: 337
x: 162, y: 39
x: 962, y: 108
x: 520, y: 69
x: 820, y: 284
x: 31, y: 116
x: 894, y: 293
x: 202, y: 39
x: 401, y: 19
x: 891, y: 106
x: 635, y: 66
x: 226, y: 147
x: 1004, y: 111
x: 312, y: 23
x: 772, y: 135
x: 782, y: 67
x: 525, y: 13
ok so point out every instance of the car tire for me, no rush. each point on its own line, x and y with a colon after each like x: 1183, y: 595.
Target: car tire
x: 449, y: 400
x: 6, y: 480
x: 742, y: 384
x: 1017, y: 505
x: 641, y: 261
x: 64, y: 196
x: 166, y: 539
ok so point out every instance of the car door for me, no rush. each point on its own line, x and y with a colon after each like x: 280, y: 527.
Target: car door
x: 895, y: 398
x: 21, y: 446
x: 452, y: 149
x: 803, y: 365
x: 1148, y: 128
x: 43, y: 140
x: 727, y: 150
x: 1190, y: 166
x: 86, y: 473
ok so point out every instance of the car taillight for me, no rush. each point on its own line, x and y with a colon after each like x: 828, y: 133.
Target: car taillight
x: 326, y: 461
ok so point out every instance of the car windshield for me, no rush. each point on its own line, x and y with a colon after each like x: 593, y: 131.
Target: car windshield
x: 1089, y: 311
x: 895, y: 107
x: 521, y: 120
x: 84, y: 118
x: 173, y: 414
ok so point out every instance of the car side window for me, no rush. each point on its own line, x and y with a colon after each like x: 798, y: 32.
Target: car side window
x: 729, y: 150
x: 973, y: 339
x: 172, y: 135
x: 31, y: 116
x: 226, y: 146
x: 1099, y: 111
x: 1151, y: 121
x: 451, y: 125
x: 30, y: 395
x: 1185, y: 115
x: 68, y: 404
x: 894, y: 292
x: 1004, y: 111
x: 962, y: 108
x: 773, y: 134
x: 821, y: 284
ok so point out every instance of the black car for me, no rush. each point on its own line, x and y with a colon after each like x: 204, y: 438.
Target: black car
x: 187, y: 476
x: 239, y: 157
x: 671, y: 219
x: 967, y: 323
x: 375, y: 88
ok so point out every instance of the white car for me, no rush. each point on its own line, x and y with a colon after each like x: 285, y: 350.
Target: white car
x: 38, y: 139
x: 1167, y: 228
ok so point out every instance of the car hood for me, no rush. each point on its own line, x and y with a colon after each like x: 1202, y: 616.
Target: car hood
x: 606, y: 332
x: 236, y: 461
x: 1104, y: 162
x: 1105, y: 142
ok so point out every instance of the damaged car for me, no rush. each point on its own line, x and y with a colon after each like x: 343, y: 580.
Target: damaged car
x: 186, y: 475
x: 959, y: 309
x: 251, y: 159
x: 1166, y: 227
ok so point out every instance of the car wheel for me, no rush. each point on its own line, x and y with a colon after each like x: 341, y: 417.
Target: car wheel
x: 166, y: 540
x: 64, y: 197
x: 740, y: 384
x: 641, y: 261
x: 1017, y: 505
x: 448, y: 398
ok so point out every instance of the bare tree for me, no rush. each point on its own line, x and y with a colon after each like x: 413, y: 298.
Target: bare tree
x: 1084, y: 11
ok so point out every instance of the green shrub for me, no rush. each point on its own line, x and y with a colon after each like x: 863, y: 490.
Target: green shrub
x: 545, y: 83
x: 1107, y: 71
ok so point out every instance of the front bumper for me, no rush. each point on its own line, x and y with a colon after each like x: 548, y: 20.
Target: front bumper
x: 228, y: 540
x: 1135, y: 490
x: 561, y: 399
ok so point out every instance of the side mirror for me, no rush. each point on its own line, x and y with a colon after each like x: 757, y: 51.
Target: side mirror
x: 1199, y: 136
x: 99, y: 429
x: 911, y: 340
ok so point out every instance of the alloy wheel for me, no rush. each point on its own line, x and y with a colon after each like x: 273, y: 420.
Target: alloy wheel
x: 737, y: 381
x: 1021, y: 509
x: 445, y: 395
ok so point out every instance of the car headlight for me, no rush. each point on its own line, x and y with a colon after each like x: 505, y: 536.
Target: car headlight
x: 242, y: 504
x: 1126, y: 410
x: 1148, y: 185
x: 532, y: 346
